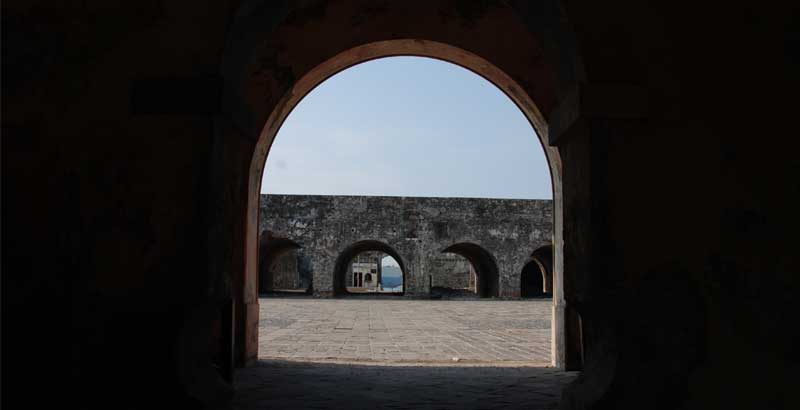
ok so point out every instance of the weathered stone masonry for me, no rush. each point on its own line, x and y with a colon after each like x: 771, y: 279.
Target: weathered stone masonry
x: 502, y: 233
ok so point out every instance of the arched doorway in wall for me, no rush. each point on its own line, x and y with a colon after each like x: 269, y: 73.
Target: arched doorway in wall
x: 544, y: 257
x: 537, y: 275
x: 531, y: 282
x: 278, y: 269
x: 487, y: 275
x: 380, y: 49
x: 360, y: 267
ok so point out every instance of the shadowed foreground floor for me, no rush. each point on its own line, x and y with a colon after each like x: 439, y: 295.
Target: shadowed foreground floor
x: 278, y: 384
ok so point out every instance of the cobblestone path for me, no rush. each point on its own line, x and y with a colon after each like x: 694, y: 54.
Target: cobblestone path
x: 411, y: 331
x: 277, y: 384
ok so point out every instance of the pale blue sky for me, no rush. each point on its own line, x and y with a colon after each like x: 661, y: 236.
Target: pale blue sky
x: 407, y: 126
x: 389, y: 261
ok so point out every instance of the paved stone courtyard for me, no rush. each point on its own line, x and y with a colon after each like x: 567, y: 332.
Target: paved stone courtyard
x: 405, y: 331
x: 280, y: 384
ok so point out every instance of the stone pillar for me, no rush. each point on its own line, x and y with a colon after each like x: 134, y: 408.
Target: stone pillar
x: 417, y: 275
x: 581, y: 127
x: 322, y: 268
x: 510, y: 276
x: 572, y: 262
x: 379, y: 277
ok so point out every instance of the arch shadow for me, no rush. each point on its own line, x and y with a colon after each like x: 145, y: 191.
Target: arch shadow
x: 487, y: 274
x: 347, y: 255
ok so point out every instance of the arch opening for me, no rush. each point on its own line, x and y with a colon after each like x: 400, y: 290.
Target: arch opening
x: 532, y: 280
x: 543, y: 257
x: 280, y: 266
x: 360, y: 268
x: 404, y: 47
x: 452, y: 275
x: 487, y: 275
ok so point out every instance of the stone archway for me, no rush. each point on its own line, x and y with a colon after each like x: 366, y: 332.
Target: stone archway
x: 532, y: 280
x: 340, y: 278
x: 487, y: 274
x: 537, y: 274
x: 544, y: 257
x: 276, y: 55
x: 416, y: 48
x: 651, y: 93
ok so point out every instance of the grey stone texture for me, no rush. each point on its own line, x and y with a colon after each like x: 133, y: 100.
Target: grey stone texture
x: 284, y: 271
x: 495, y: 234
x: 452, y: 271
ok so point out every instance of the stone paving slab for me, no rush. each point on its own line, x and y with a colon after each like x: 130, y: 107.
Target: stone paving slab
x: 387, y: 330
x: 277, y: 384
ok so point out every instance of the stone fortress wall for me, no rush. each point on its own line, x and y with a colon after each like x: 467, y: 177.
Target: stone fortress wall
x: 497, y: 236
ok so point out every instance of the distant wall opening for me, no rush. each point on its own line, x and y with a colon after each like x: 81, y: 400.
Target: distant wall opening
x: 532, y: 280
x: 537, y: 274
x: 369, y: 267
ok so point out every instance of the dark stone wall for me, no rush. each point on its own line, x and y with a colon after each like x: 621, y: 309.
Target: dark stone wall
x: 128, y: 130
x: 418, y: 229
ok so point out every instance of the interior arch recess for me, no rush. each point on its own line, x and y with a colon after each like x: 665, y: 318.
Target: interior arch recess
x: 270, y: 249
x: 487, y: 283
x: 531, y: 282
x: 543, y: 256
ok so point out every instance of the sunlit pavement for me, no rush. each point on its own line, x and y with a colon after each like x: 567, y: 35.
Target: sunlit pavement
x: 410, y: 331
x: 359, y: 353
